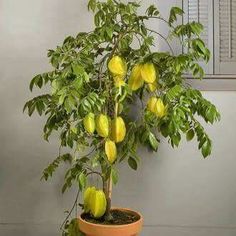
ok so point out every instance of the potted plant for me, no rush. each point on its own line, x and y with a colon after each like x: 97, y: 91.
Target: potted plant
x: 96, y: 78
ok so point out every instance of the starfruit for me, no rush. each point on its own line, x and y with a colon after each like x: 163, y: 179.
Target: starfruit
x: 118, y: 129
x: 153, y: 87
x: 89, y: 123
x: 111, y: 151
x: 156, y: 106
x: 151, y: 104
x: 119, y: 81
x: 135, y: 81
x: 87, y: 196
x: 102, y: 125
x: 117, y: 66
x: 160, y: 108
x: 148, y: 73
x: 98, y: 204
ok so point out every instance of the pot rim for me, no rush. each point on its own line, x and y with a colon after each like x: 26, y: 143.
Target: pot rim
x: 115, y: 226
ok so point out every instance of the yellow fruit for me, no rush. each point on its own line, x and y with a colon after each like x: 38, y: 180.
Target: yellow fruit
x: 152, y: 87
x: 160, y: 109
x: 119, y: 81
x: 117, y: 66
x: 98, y: 204
x: 148, y: 73
x: 118, y: 130
x: 135, y: 80
x: 89, y: 123
x: 156, y: 106
x: 87, y: 195
x: 151, y: 104
x: 110, y: 150
x: 102, y: 125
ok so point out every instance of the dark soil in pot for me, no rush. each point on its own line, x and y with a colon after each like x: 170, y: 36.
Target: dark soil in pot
x: 119, y: 218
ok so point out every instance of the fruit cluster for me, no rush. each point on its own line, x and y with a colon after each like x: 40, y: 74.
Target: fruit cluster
x: 113, y: 130
x: 140, y: 74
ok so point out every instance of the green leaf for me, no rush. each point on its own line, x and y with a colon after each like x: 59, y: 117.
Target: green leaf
x: 82, y: 181
x: 65, y: 186
x: 206, y: 149
x: 190, y: 135
x: 86, y: 77
x: 77, y: 83
x: 40, y: 107
x: 92, y: 5
x: 66, y: 72
x: 133, y: 163
x: 175, y: 139
x: 37, y: 80
x: 199, y: 46
x: 114, y: 175
x: 174, y: 92
x: 78, y: 70
x: 61, y: 99
x: 98, y: 18
x: 31, y: 108
x: 109, y: 32
x: 153, y: 141
x: 152, y: 11
x: 144, y: 136
x: 48, y: 172
x: 196, y: 27
x: 144, y: 30
x: 72, y: 228
x: 174, y: 12
x: 164, y: 130
x: 211, y: 114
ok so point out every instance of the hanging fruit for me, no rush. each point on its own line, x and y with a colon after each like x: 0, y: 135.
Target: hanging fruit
x: 153, y: 87
x: 151, y: 104
x: 156, y: 106
x: 148, y: 73
x: 111, y: 151
x: 117, y: 66
x: 98, y: 204
x: 89, y: 123
x: 135, y: 80
x: 87, y: 195
x: 118, y: 129
x: 119, y: 81
x: 102, y: 125
x: 160, y: 109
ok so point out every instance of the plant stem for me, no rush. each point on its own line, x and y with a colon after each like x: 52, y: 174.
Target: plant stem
x: 107, y: 188
x: 94, y: 172
x: 73, y: 207
x: 164, y: 38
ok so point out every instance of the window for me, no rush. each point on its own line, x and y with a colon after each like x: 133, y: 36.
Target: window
x: 219, y: 20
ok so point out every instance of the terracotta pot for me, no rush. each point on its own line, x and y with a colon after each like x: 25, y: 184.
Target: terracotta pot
x: 133, y: 229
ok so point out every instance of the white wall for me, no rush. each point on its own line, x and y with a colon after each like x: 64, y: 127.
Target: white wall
x: 177, y: 191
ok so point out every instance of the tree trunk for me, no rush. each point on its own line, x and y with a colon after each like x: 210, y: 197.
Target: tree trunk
x: 107, y: 188
x: 107, y: 185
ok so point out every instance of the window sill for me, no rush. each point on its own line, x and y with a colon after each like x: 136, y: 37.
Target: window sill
x: 214, y: 83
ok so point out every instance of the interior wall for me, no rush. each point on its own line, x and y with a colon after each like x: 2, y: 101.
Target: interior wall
x: 177, y: 191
